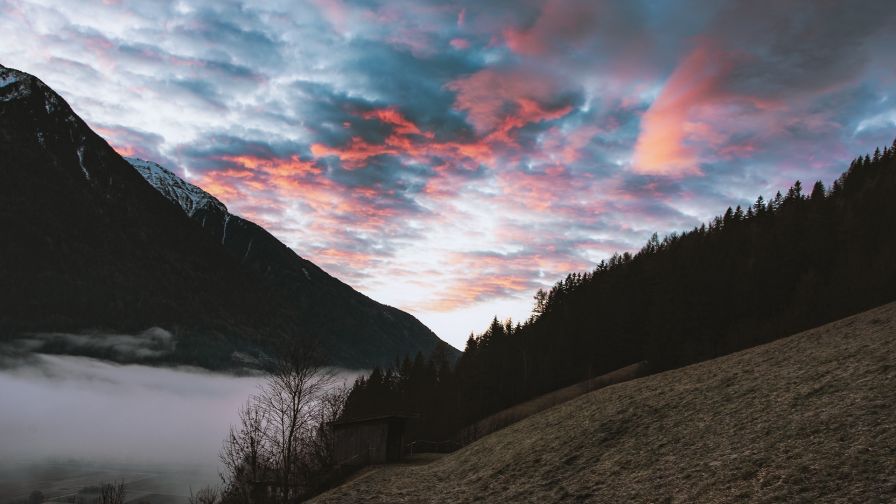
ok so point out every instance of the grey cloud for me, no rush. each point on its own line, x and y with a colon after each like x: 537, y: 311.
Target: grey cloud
x: 794, y: 47
x: 149, y: 344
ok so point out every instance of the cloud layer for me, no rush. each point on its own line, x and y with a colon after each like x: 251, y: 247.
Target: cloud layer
x: 451, y: 158
x: 152, y: 343
x: 60, y: 408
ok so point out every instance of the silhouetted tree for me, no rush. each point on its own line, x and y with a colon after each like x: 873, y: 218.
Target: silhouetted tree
x: 281, y: 449
x: 747, y: 278
x: 111, y: 493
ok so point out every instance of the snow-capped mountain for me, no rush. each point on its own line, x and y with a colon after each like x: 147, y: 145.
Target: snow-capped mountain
x: 187, y: 196
x: 16, y: 86
x: 91, y: 246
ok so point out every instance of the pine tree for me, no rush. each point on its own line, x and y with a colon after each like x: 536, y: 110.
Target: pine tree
x: 837, y: 186
x: 727, y: 219
x: 759, y: 206
x: 776, y: 203
x: 818, y: 191
x: 541, y: 302
x: 795, y: 192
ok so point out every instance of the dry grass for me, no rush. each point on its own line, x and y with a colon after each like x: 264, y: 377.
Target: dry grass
x: 516, y: 413
x: 809, y: 418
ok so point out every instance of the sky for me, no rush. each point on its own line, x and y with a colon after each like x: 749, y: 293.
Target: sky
x: 450, y: 158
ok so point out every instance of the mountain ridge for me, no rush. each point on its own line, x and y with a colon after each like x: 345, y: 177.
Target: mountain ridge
x: 258, y: 249
x: 96, y: 248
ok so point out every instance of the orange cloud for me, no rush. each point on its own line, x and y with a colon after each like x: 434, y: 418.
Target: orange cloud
x: 527, y: 111
x: 490, y: 276
x: 669, y: 127
x: 406, y: 140
x: 470, y: 291
x: 401, y: 124
x: 125, y: 150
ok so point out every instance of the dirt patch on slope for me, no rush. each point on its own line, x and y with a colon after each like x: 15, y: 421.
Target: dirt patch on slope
x: 807, y: 418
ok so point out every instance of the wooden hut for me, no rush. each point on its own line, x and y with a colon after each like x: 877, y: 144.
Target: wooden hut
x: 372, y: 440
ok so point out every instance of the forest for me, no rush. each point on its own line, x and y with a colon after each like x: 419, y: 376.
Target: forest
x: 749, y: 276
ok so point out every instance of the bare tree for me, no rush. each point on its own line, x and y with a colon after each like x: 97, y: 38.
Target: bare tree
x: 332, y: 404
x: 111, y: 493
x: 205, y: 495
x: 279, y: 447
x: 290, y: 398
x: 245, y: 454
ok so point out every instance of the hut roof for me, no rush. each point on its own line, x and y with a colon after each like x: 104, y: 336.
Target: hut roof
x: 372, y: 419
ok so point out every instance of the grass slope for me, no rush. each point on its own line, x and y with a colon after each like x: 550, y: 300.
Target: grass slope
x: 807, y: 418
x: 526, y: 409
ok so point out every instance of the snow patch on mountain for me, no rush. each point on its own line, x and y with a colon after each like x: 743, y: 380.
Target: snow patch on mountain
x: 81, y: 162
x: 51, y: 102
x: 189, y: 197
x: 224, y: 236
x: 12, y: 84
x: 8, y: 77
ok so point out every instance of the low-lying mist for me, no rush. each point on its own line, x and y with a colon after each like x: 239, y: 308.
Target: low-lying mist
x: 57, y: 408
x: 62, y: 407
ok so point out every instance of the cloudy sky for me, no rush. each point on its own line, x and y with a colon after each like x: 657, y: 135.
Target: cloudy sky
x: 450, y: 158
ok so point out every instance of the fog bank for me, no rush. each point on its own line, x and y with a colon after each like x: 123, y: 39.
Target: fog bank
x: 63, y: 407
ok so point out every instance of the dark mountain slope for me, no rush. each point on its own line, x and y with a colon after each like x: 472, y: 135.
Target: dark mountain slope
x: 320, y: 300
x: 89, y: 245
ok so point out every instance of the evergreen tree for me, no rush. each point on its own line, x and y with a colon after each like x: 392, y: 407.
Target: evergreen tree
x: 817, y: 191
x: 759, y: 207
x: 791, y: 264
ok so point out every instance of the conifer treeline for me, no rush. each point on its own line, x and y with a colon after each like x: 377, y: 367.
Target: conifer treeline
x: 750, y: 276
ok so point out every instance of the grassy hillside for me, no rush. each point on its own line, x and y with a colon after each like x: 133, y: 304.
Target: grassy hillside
x: 531, y: 407
x: 807, y: 418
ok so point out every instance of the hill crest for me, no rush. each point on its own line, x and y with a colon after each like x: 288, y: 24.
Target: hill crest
x: 807, y: 418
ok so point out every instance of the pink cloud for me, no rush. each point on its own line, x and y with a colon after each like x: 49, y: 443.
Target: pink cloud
x: 667, y: 128
x: 407, y: 140
x: 460, y: 43
x: 490, y: 276
x: 493, y: 97
x: 402, y: 126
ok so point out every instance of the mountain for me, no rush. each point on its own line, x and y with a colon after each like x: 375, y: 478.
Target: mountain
x: 91, y: 247
x: 320, y: 300
x: 190, y: 198
x: 807, y: 418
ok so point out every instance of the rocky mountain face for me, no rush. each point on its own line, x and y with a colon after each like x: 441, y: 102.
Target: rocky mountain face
x: 89, y: 246
x: 321, y: 301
